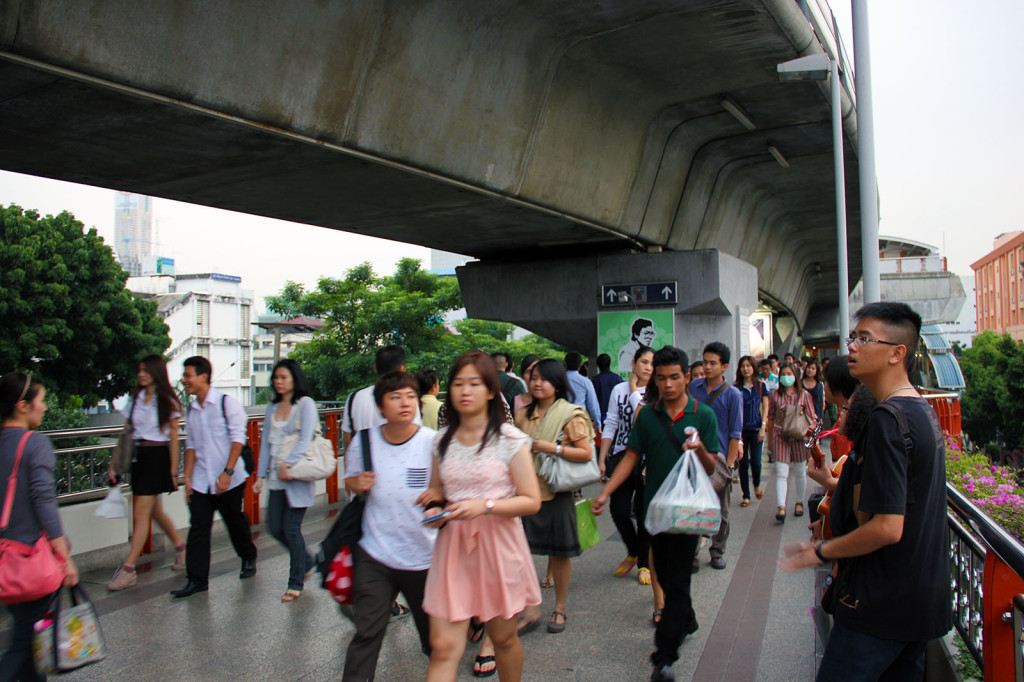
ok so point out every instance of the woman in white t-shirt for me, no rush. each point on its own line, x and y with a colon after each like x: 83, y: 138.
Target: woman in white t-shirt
x: 396, y: 548
x: 153, y: 411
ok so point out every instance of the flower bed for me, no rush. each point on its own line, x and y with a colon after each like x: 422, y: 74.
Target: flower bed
x: 994, y: 489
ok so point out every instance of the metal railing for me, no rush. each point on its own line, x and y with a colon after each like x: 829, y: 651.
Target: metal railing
x: 890, y: 266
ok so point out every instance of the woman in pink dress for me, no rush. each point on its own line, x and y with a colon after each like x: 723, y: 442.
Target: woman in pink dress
x: 483, y: 475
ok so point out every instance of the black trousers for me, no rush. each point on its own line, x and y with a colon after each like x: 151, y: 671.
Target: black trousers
x: 626, y: 502
x: 201, y: 507
x: 17, y: 662
x: 374, y: 588
x: 673, y: 556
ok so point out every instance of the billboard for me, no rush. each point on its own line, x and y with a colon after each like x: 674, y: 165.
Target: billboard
x: 620, y: 333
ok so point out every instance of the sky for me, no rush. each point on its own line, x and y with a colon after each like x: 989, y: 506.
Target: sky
x: 948, y: 152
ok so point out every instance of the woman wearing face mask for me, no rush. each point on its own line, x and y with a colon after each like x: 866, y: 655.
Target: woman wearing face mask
x: 790, y: 454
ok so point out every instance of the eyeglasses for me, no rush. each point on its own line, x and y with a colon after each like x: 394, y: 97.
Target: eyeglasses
x: 861, y: 340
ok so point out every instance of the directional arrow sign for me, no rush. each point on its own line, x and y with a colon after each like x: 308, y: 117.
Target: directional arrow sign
x: 637, y: 294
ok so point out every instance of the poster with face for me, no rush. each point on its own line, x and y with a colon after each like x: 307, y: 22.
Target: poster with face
x: 619, y: 334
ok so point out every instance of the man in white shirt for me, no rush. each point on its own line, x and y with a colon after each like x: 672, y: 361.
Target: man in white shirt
x: 214, y: 475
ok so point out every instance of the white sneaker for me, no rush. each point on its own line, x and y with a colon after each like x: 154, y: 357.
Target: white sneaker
x: 122, y: 579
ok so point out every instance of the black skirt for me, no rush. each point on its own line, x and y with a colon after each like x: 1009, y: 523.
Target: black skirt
x: 151, y: 470
x: 552, y: 530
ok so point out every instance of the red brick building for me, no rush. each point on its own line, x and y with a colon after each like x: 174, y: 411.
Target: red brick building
x: 999, y: 286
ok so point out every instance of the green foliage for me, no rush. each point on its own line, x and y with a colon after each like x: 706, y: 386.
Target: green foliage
x: 365, y: 311
x: 966, y: 665
x: 66, y: 314
x: 993, y: 402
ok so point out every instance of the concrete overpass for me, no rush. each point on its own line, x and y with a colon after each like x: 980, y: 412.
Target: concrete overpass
x: 515, y: 131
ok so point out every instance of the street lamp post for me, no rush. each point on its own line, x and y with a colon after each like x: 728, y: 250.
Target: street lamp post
x: 819, y: 67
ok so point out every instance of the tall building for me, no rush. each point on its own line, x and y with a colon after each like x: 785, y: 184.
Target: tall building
x: 999, y: 286
x: 133, y: 230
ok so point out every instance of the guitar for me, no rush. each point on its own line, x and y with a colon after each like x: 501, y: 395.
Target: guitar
x: 825, y: 506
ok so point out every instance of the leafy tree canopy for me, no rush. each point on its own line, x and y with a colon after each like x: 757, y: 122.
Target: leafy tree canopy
x: 67, y: 316
x: 365, y: 311
x: 993, y: 401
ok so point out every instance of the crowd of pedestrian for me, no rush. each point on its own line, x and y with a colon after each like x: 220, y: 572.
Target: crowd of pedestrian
x: 456, y: 506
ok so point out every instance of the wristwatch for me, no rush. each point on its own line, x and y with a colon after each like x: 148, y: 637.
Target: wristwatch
x: 817, y: 551
x: 488, y: 507
x: 229, y: 471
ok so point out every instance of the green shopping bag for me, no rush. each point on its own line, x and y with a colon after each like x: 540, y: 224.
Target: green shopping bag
x: 586, y: 525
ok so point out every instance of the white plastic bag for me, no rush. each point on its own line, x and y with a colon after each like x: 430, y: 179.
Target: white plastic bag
x: 112, y: 506
x: 686, y: 501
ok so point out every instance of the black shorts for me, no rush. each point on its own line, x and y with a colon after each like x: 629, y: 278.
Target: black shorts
x: 151, y: 470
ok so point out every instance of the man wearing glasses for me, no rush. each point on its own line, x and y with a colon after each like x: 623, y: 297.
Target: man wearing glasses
x: 892, y: 592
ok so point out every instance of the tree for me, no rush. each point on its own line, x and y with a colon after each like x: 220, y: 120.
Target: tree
x: 364, y: 311
x: 993, y: 402
x: 67, y: 316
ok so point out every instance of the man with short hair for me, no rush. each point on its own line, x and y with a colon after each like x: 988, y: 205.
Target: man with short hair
x: 604, y: 382
x: 671, y: 411
x: 892, y: 590
x: 770, y: 381
x: 429, y: 389
x: 362, y: 412
x: 641, y: 333
x: 215, y: 476
x: 511, y: 386
x: 583, y: 391
x: 727, y: 402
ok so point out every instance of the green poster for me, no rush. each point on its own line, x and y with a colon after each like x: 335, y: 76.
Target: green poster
x: 619, y: 334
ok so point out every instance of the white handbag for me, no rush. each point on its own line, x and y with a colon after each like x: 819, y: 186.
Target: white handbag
x: 320, y: 460
x: 562, y: 475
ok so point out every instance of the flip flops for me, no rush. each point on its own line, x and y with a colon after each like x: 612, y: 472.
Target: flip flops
x: 476, y: 631
x: 798, y: 509
x: 553, y: 625
x: 643, y: 576
x: 291, y: 595
x: 480, y: 662
x: 626, y: 566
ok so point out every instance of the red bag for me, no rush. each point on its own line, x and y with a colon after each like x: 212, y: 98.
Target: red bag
x: 27, y: 572
x: 339, y: 580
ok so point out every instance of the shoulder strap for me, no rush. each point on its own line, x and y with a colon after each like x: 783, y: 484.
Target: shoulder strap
x: 667, y: 425
x: 908, y: 442
x: 348, y: 412
x: 364, y: 440
x: 713, y: 396
x: 12, y: 483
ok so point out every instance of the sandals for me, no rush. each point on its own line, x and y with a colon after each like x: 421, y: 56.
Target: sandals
x: 547, y: 583
x: 798, y: 509
x: 626, y: 566
x: 759, y: 492
x: 656, y: 617
x: 780, y: 515
x: 745, y: 502
x: 291, y: 595
x: 476, y: 633
x: 480, y: 662
x: 553, y: 625
x: 528, y: 627
x: 643, y: 576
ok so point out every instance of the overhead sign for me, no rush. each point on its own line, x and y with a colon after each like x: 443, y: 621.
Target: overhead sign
x: 637, y: 294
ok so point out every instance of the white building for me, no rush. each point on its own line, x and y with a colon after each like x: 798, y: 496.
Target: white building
x: 209, y: 315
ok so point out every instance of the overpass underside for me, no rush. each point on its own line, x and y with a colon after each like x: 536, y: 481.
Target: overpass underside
x: 506, y: 130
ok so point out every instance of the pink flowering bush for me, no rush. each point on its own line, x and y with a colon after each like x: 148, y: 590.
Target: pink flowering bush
x: 994, y: 489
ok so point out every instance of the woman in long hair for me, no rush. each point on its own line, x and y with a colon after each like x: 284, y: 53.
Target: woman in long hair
x: 563, y: 429
x: 755, y: 414
x: 813, y: 384
x: 292, y: 412
x: 483, y: 478
x: 33, y: 510
x: 153, y: 411
x: 790, y: 453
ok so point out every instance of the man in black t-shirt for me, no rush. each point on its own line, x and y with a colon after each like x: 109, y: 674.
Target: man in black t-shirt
x: 889, y: 516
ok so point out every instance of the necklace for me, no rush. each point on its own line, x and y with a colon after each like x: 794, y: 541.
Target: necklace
x: 902, y: 388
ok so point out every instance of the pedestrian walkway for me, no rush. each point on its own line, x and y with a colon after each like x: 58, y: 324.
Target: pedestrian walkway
x: 754, y: 622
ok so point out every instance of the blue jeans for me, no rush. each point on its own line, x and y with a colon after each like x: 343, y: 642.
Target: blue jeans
x: 851, y: 656
x: 285, y: 524
x: 17, y: 662
x: 752, y: 454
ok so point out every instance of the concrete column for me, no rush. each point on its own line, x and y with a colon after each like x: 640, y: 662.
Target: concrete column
x: 560, y: 299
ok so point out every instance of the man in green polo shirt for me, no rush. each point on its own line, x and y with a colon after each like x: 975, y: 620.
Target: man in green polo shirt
x: 668, y: 406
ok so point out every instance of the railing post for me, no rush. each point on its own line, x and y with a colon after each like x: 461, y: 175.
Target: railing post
x: 251, y: 503
x: 1001, y: 650
x: 332, y: 434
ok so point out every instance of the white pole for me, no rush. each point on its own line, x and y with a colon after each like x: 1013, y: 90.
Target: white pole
x: 839, y: 169
x: 866, y: 153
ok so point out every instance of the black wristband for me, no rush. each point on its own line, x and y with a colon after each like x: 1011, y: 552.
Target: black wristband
x: 817, y: 551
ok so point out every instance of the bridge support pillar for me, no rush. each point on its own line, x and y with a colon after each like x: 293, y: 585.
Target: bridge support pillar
x: 560, y: 299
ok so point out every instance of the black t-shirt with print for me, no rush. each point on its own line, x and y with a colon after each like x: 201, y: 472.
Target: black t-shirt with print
x: 901, y: 591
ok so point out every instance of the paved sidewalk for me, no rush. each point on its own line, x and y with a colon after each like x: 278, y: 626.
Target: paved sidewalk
x: 754, y: 623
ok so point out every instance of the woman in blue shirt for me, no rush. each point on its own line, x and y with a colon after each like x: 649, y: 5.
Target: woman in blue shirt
x: 755, y: 412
